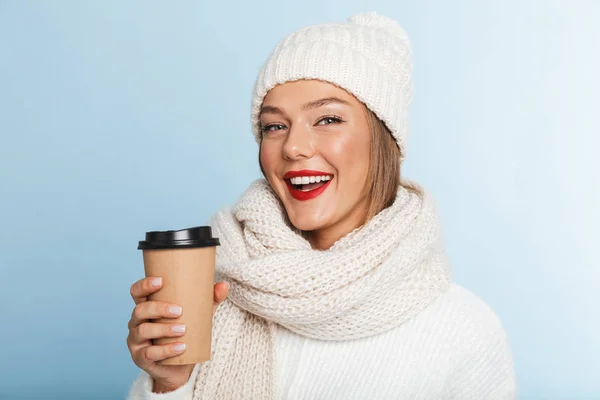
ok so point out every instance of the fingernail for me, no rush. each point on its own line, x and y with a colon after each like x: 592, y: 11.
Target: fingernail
x: 156, y: 282
x: 227, y: 283
x: 178, y: 328
x: 175, y: 310
x: 179, y: 347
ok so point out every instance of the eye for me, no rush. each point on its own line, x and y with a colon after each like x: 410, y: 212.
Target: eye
x: 330, y: 119
x: 272, y: 127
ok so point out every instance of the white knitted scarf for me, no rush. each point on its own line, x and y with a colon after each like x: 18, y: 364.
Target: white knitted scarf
x: 371, y: 280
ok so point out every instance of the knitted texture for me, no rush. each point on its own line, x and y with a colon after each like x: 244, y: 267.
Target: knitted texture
x: 370, y: 281
x: 456, y: 348
x: 369, y: 56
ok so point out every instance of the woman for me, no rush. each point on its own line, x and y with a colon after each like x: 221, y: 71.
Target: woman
x: 340, y: 288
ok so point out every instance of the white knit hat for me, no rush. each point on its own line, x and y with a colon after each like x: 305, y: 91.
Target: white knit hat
x: 369, y: 56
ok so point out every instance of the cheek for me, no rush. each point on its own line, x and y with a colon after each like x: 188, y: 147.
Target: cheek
x: 270, y: 159
x: 350, y: 156
x: 267, y: 159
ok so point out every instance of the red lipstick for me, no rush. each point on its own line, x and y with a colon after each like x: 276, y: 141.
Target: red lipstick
x: 308, y: 195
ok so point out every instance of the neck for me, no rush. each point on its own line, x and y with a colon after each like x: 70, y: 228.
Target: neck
x: 324, y: 238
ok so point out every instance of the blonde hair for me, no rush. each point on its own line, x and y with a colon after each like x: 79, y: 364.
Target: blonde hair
x: 383, y: 178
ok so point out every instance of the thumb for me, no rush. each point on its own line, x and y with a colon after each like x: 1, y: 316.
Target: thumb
x: 221, y: 292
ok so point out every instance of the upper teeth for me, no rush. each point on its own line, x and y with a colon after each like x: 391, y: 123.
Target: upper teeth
x: 304, y: 180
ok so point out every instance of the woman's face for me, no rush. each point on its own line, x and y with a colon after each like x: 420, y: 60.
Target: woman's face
x: 315, y: 154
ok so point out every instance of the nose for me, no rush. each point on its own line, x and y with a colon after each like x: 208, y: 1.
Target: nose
x: 299, y: 144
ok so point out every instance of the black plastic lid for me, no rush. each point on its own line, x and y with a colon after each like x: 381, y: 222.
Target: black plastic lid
x: 199, y: 236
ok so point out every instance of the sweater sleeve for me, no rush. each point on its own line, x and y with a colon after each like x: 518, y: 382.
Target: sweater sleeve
x: 484, y: 366
x: 141, y: 389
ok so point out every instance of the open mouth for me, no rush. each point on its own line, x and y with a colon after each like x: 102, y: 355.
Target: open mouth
x: 306, y: 185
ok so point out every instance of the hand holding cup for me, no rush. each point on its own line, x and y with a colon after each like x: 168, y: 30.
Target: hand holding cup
x: 143, y: 330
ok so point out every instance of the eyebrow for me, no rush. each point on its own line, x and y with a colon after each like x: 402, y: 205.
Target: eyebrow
x: 308, y: 106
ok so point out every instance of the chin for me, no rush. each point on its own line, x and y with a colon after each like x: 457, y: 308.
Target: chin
x: 307, y: 223
x: 311, y: 216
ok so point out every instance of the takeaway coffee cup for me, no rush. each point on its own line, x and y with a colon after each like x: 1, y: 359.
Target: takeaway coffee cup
x: 185, y: 259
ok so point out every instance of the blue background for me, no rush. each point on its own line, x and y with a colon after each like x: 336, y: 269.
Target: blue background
x: 122, y: 117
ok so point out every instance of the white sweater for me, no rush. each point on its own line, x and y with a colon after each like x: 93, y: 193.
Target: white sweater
x: 455, y: 348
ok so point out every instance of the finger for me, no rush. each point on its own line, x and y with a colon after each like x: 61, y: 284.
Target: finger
x: 152, y: 310
x: 141, y: 289
x: 152, y: 330
x: 221, y: 292
x: 158, y: 353
x: 134, y: 343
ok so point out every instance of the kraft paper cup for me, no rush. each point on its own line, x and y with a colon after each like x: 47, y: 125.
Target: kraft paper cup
x: 185, y: 259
